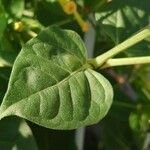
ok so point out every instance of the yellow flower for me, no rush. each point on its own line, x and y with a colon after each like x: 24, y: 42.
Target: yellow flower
x: 69, y: 8
x: 18, y: 26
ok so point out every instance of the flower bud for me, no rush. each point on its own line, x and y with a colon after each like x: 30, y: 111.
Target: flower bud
x: 18, y: 26
x: 70, y: 7
x: 85, y: 27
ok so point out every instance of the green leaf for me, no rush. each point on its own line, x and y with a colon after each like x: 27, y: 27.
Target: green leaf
x: 94, y: 5
x: 14, y: 7
x: 16, y: 135
x: 7, y: 53
x: 52, y: 85
x: 3, y: 20
x: 4, y: 77
x: 134, y: 120
x: 48, y: 139
x: 139, y: 122
x: 46, y: 11
x: 116, y: 133
x: 120, y: 19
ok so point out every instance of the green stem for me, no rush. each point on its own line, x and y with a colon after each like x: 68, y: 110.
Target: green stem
x: 32, y: 33
x: 4, y: 64
x: 126, y: 61
x: 124, y: 104
x: 61, y: 23
x: 99, y: 60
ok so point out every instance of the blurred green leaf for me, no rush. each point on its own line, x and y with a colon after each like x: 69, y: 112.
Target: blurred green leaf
x: 116, y: 134
x: 139, y: 121
x: 31, y: 23
x: 47, y: 15
x: 14, y: 8
x: 48, y: 139
x: 3, y: 20
x: 7, y: 53
x: 15, y: 134
x: 94, y: 5
x: 140, y: 78
x: 134, y: 121
x: 4, y: 77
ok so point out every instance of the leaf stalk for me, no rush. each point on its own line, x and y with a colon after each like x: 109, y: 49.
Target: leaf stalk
x: 100, y: 60
x: 126, y: 61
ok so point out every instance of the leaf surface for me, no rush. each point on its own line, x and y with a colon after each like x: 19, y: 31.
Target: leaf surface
x: 52, y: 85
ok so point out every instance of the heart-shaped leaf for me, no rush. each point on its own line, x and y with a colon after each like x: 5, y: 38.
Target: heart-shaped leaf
x: 53, y: 85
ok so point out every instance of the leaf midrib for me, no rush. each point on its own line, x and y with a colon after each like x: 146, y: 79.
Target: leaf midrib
x: 84, y: 67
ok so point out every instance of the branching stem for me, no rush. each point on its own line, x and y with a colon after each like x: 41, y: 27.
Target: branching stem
x: 100, y: 60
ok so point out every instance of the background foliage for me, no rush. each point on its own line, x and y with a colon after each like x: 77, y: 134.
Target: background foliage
x: 126, y: 125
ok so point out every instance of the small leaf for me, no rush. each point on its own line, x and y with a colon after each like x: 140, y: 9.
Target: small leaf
x: 134, y: 121
x: 52, y: 85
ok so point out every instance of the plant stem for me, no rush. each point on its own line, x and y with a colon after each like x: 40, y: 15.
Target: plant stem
x: 61, y: 23
x: 32, y: 33
x: 126, y: 61
x: 4, y: 63
x: 124, y: 104
x: 99, y: 60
